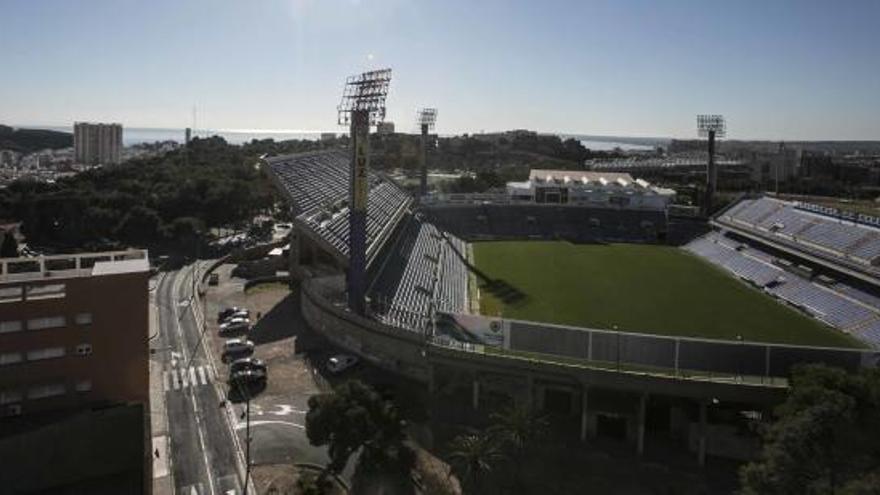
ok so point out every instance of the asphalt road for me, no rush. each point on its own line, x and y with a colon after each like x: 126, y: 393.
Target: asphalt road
x: 203, y: 455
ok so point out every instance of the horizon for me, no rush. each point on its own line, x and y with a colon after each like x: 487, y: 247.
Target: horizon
x: 342, y: 130
x: 794, y: 71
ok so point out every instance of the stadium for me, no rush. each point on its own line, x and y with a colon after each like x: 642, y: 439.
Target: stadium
x: 576, y: 284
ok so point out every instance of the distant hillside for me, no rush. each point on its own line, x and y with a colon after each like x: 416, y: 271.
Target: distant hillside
x: 30, y: 140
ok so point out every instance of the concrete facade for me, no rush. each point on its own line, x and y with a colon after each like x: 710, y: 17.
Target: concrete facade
x: 74, y: 350
x: 602, y: 401
x: 97, y: 144
x: 71, y: 338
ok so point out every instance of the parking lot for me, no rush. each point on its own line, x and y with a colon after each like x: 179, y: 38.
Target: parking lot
x: 277, y: 412
x: 297, y: 361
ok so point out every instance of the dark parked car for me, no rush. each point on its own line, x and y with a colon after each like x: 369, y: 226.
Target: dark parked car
x: 248, y: 363
x: 248, y: 377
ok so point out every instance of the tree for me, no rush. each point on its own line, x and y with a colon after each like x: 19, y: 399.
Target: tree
x: 519, y: 430
x: 824, y: 439
x: 8, y: 245
x: 355, y: 417
x: 474, y: 456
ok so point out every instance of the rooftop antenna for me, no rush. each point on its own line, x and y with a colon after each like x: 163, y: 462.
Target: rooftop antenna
x: 711, y: 126
x: 426, y: 118
x: 362, y: 105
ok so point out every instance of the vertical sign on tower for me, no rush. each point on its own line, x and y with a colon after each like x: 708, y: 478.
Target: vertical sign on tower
x: 363, y: 105
x: 360, y: 133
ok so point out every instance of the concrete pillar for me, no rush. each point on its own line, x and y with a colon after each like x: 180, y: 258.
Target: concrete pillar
x: 475, y: 398
x: 701, y: 452
x: 293, y: 254
x: 584, y: 413
x: 640, y: 432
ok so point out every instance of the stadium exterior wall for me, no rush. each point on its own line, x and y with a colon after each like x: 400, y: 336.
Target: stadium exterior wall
x: 679, y: 354
x: 391, y: 348
x: 409, y: 354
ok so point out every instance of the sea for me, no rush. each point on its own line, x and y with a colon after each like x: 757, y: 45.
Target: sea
x: 139, y: 135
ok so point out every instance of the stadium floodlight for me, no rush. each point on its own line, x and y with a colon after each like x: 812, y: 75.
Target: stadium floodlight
x: 426, y: 119
x: 708, y: 125
x: 362, y: 105
x: 711, y: 126
x: 365, y: 92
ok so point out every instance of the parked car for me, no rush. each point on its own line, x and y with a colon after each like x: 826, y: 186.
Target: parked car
x: 234, y: 348
x: 227, y: 312
x: 243, y: 313
x: 248, y: 363
x: 341, y: 362
x: 248, y: 377
x: 236, y: 324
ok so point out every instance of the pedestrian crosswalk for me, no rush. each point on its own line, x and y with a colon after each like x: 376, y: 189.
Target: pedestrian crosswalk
x: 194, y: 376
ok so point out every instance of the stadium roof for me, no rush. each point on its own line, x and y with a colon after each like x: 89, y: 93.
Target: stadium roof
x: 545, y: 175
x: 316, y: 184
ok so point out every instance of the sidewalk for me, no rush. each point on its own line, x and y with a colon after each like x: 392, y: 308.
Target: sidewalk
x: 162, y: 479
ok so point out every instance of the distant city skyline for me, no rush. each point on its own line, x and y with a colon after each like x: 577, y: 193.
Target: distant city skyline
x: 794, y: 70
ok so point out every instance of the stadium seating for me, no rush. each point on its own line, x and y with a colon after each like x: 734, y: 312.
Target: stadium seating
x: 844, y: 241
x: 426, y: 272
x: 317, y: 186
x: 524, y: 222
x: 839, y: 305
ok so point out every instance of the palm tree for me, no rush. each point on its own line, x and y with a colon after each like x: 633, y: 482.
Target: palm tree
x: 473, y: 456
x: 519, y: 429
x: 519, y: 426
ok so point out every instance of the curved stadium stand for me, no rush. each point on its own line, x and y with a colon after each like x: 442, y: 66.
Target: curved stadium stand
x: 317, y: 187
x: 425, y: 272
x: 760, y: 237
x: 844, y: 242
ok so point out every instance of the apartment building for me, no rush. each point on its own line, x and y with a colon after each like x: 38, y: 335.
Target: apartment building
x: 97, y: 144
x: 74, y: 336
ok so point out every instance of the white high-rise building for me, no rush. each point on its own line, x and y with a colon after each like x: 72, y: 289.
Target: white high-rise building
x: 97, y: 144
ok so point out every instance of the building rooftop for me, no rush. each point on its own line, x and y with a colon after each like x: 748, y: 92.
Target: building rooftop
x: 545, y: 175
x: 73, y: 265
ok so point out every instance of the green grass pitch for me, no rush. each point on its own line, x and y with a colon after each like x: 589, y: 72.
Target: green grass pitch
x: 638, y: 288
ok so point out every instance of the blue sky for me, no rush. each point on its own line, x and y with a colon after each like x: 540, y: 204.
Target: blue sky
x: 776, y: 69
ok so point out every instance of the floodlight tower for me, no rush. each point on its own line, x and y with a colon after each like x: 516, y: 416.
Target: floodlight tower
x: 362, y: 105
x: 427, y: 117
x: 710, y: 126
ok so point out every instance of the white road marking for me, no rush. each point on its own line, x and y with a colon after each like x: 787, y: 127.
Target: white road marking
x: 286, y: 410
x: 243, y: 424
x: 202, y: 375
x: 192, y: 377
x: 175, y: 356
x: 183, y: 379
x: 175, y: 379
x: 192, y: 489
x: 166, y: 378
